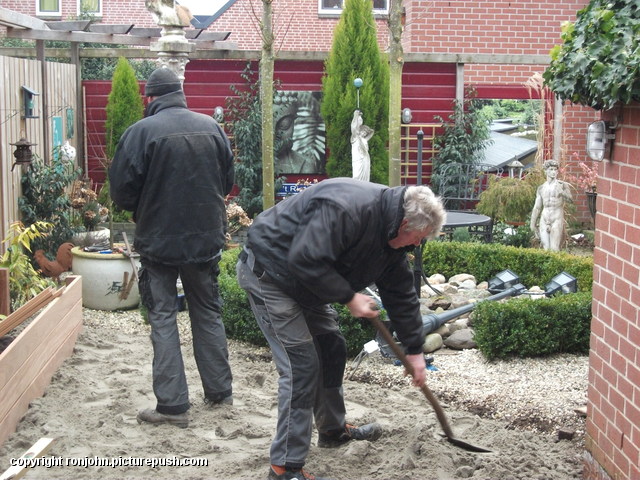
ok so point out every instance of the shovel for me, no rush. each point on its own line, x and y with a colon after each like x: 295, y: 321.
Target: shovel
x: 442, y: 418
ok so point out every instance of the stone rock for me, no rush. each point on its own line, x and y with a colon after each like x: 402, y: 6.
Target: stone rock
x: 482, y: 285
x: 461, y: 340
x: 462, y: 277
x: 432, y: 342
x: 443, y: 330
x: 436, y: 279
x: 459, y: 324
x: 440, y: 302
x: 566, y: 434
x: 467, y: 285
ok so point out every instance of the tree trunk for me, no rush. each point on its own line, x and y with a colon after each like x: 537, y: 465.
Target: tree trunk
x: 266, y: 97
x: 396, y: 62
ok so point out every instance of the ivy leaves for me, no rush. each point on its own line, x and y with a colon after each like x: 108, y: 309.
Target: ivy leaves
x: 598, y: 63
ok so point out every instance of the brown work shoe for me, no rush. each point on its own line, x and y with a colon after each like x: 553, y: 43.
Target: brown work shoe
x: 370, y: 431
x: 291, y: 474
x: 150, y: 415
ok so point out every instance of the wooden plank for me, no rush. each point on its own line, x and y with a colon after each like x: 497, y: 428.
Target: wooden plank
x: 214, y: 36
x: 26, y: 310
x: 27, y: 365
x: 69, y: 26
x: 88, y: 37
x: 5, y: 299
x: 145, y: 32
x: 111, y: 29
x: 38, y: 449
x: 193, y: 33
x: 15, y: 19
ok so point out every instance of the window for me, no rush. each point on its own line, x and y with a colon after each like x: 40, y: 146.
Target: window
x: 90, y: 7
x: 48, y: 8
x: 335, y: 7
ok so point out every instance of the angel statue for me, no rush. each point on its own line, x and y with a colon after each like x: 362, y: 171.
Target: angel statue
x: 360, y: 136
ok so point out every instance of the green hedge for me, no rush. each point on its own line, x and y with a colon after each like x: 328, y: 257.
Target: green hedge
x: 484, y: 260
x: 240, y: 323
x: 529, y: 328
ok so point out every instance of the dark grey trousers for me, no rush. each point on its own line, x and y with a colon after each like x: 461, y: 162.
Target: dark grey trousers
x: 158, y: 293
x: 309, y: 353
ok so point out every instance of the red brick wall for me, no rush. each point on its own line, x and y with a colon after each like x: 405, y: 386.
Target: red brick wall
x: 613, y: 422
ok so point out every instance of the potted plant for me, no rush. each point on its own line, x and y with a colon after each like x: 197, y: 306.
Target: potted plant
x: 587, y: 182
x: 91, y: 213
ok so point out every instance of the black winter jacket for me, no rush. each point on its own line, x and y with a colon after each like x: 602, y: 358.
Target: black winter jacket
x: 330, y: 241
x: 173, y: 169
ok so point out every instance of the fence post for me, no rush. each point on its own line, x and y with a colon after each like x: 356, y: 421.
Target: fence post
x: 5, y: 302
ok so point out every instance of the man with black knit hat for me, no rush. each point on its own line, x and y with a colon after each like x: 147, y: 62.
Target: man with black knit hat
x: 173, y: 169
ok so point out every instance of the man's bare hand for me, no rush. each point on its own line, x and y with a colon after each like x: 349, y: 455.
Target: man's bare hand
x: 419, y: 368
x: 363, y: 306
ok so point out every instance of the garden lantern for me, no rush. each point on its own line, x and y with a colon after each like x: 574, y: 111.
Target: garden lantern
x: 22, y: 153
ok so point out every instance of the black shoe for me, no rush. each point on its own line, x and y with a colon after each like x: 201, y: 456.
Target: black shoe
x: 149, y: 415
x: 223, y: 401
x: 370, y: 431
x: 294, y: 474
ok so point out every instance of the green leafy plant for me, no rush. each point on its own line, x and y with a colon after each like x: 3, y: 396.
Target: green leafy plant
x: 510, y: 199
x: 524, y: 327
x: 24, y: 280
x: 463, y: 141
x: 244, y: 114
x: 355, y: 54
x: 597, y: 63
x: 45, y: 199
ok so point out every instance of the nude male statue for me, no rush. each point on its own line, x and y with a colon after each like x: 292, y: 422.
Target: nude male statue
x: 551, y: 197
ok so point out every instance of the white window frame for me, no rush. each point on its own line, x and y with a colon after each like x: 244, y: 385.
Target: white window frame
x: 95, y: 14
x: 46, y: 13
x: 338, y: 10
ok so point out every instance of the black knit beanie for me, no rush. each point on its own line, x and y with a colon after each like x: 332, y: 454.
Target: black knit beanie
x: 162, y: 81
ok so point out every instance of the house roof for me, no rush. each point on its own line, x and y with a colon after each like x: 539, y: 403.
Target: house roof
x: 505, y: 148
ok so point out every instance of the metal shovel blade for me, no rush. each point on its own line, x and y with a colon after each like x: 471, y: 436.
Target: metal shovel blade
x: 442, y: 418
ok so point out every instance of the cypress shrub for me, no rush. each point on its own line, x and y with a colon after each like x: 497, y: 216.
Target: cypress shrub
x: 355, y: 54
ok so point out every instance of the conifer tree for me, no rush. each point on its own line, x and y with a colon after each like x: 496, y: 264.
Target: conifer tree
x: 124, y: 105
x: 355, y: 54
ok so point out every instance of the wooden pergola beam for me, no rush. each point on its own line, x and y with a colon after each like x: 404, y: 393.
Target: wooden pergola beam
x: 70, y: 26
x: 12, y: 19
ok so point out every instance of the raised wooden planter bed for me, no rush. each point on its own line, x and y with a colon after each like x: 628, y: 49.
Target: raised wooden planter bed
x: 29, y: 362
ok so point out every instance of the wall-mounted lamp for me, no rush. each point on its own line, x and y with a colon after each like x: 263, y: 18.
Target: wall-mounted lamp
x: 218, y: 114
x: 29, y: 102
x: 561, y: 283
x: 599, y: 140
x: 22, y: 153
x: 406, y: 115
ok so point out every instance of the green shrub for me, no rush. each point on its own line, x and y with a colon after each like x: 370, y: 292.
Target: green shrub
x: 240, y: 324
x: 529, y: 328
x: 485, y: 260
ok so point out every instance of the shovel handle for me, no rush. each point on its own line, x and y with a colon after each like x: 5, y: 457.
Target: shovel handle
x: 442, y: 418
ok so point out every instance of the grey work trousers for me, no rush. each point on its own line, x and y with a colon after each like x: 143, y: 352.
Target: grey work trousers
x: 158, y: 293
x: 309, y: 353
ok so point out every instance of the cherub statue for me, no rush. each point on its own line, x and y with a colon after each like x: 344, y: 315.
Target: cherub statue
x: 167, y: 13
